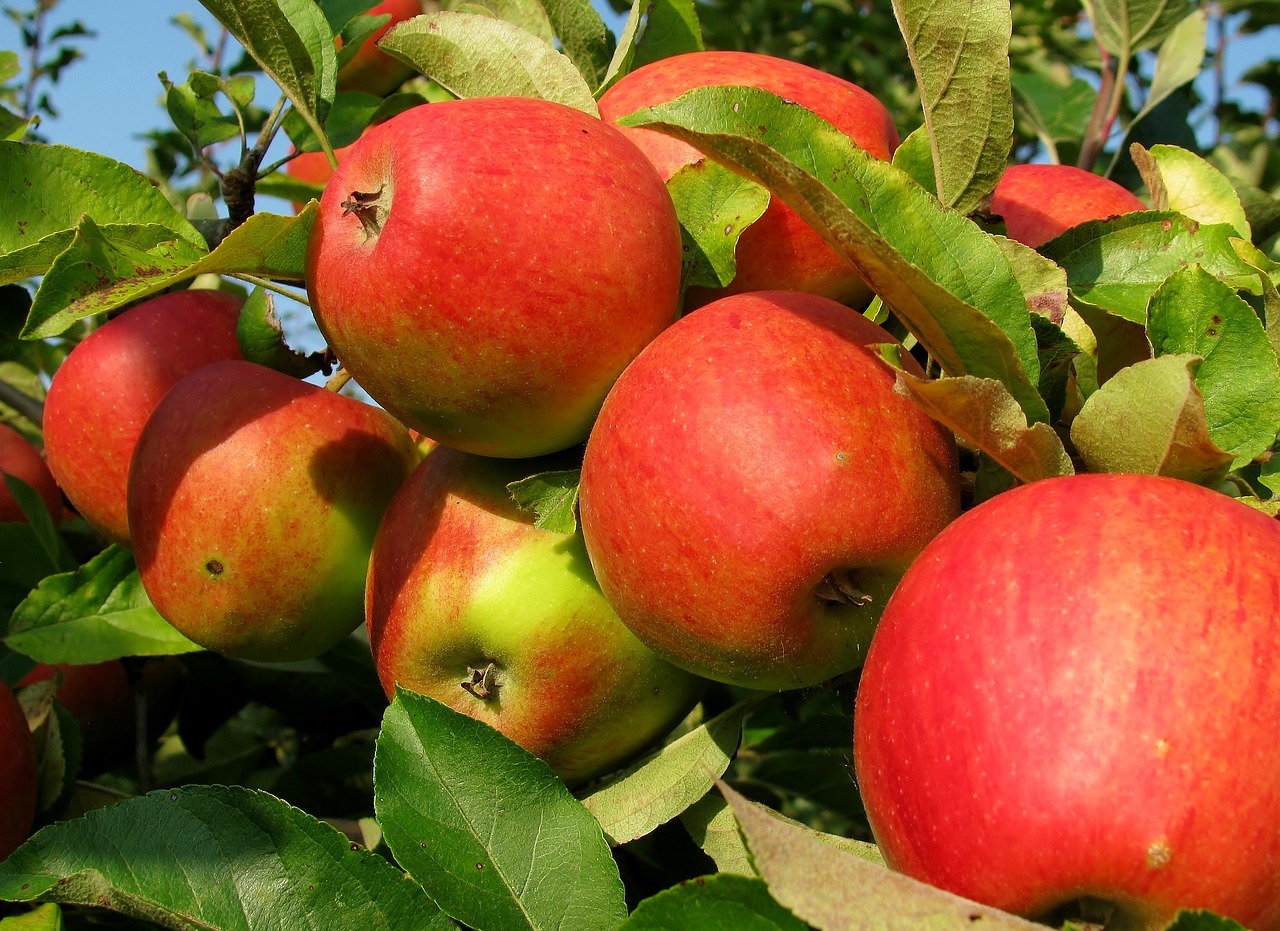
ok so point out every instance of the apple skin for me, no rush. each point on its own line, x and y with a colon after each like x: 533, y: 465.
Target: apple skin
x: 314, y: 168
x: 525, y: 253
x: 254, y: 498
x: 22, y: 460
x: 460, y: 578
x: 778, y: 251
x: 1038, y: 202
x: 1072, y: 693
x: 105, y: 390
x: 754, y: 452
x: 371, y: 70
x: 17, y: 774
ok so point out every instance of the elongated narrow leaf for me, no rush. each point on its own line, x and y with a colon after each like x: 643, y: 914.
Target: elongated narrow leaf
x: 1127, y: 26
x: 216, y: 857
x: 671, y: 28
x: 933, y: 267
x: 98, y: 612
x: 474, y: 55
x: 833, y: 889
x: 486, y: 828
x: 1195, y: 313
x: 1149, y: 419
x: 959, y: 51
x: 1179, y: 62
x: 1181, y: 180
x: 714, y: 903
x: 41, y: 522
x: 293, y: 43
x: 583, y: 35
x: 662, y: 785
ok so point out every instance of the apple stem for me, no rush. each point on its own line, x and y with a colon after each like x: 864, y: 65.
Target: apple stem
x: 365, y: 206
x: 480, y: 684
x: 838, y: 588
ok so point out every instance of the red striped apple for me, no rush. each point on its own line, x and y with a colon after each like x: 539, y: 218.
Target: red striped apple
x: 1039, y: 202
x: 470, y: 603
x: 486, y: 268
x: 1073, y: 693
x: 754, y: 487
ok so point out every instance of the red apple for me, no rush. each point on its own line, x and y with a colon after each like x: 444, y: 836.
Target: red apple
x: 372, y: 70
x: 103, y: 393
x: 314, y: 168
x: 778, y: 251
x: 471, y: 604
x: 1073, y: 693
x: 1038, y: 202
x: 254, y: 498
x: 486, y: 268
x: 17, y: 774
x: 22, y: 460
x: 754, y: 487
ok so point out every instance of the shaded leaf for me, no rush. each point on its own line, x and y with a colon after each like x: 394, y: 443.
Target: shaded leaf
x: 584, y: 37
x: 1179, y: 62
x: 714, y: 206
x: 553, y: 498
x: 262, y: 340
x: 1057, y: 113
x: 714, y: 903
x: 711, y: 824
x: 1127, y: 26
x: 915, y: 158
x: 44, y: 918
x: 41, y: 522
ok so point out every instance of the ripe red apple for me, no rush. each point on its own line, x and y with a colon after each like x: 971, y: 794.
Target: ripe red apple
x: 372, y: 70
x: 486, y: 268
x: 754, y: 487
x: 103, y: 393
x: 1073, y: 693
x: 254, y: 498
x: 22, y: 460
x: 778, y: 251
x: 17, y: 774
x: 1038, y: 202
x: 470, y: 603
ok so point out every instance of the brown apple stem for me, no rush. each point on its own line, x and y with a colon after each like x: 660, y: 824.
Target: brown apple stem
x: 840, y: 587
x: 481, y: 684
x: 368, y: 208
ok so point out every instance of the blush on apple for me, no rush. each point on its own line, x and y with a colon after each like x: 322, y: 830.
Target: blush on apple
x: 485, y: 269
x: 22, y: 460
x: 371, y: 70
x: 1039, y: 202
x: 754, y: 487
x: 1073, y: 694
x: 778, y: 251
x: 17, y: 774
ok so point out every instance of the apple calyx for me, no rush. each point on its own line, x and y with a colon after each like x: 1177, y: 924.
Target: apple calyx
x: 369, y: 208
x: 480, y: 681
x: 840, y: 587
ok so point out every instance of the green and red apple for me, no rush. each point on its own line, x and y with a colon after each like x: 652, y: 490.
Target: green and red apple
x: 371, y: 70
x: 779, y: 251
x: 754, y: 488
x: 1073, y: 694
x: 19, y: 458
x: 1038, y: 202
x: 104, y: 392
x: 253, y: 499
x: 470, y: 603
x: 486, y: 268
x: 18, y: 790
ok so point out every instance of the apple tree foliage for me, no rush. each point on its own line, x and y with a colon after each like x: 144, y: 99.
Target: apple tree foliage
x: 283, y: 796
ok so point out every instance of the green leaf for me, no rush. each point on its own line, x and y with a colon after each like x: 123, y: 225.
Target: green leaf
x: 41, y: 521
x: 486, y: 828
x: 1179, y: 62
x: 1118, y: 264
x: 262, y: 340
x: 197, y: 116
x: 473, y: 55
x: 1056, y: 112
x: 671, y: 28
x: 216, y: 857
x: 959, y: 51
x: 46, y: 189
x: 714, y: 206
x: 44, y: 918
x: 350, y: 115
x: 529, y: 15
x: 1127, y: 26
x: 712, y: 826
x: 583, y: 36
x: 945, y: 279
x: 1199, y: 920
x: 661, y: 786
x: 1150, y: 419
x: 914, y: 156
x: 95, y: 613
x: 1183, y: 181
x: 552, y: 497
x: 714, y: 903
x: 293, y: 43
x: 1195, y: 313
x: 830, y: 888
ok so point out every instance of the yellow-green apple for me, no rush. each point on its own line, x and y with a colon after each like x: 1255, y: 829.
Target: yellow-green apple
x: 470, y: 603
x: 253, y: 499
x: 779, y: 250
x: 22, y: 460
x: 1073, y: 693
x: 17, y: 774
x: 103, y: 393
x: 371, y: 70
x: 1038, y: 202
x: 754, y: 487
x: 486, y: 268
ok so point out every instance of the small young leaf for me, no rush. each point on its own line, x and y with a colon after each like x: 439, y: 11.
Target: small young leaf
x: 714, y: 903
x: 714, y: 206
x: 167, y: 858
x: 959, y: 52
x: 1150, y: 419
x: 552, y: 496
x: 197, y: 116
x: 98, y: 612
x: 262, y: 339
x: 1183, y: 181
x: 659, y: 787
x: 478, y: 56
x: 486, y: 828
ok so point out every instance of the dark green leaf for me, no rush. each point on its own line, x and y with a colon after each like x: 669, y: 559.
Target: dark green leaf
x: 714, y: 206
x: 262, y: 339
x: 552, y: 497
x: 959, y: 52
x: 338, y: 13
x: 351, y: 114
x: 486, y: 828
x: 1180, y: 60
x: 714, y: 903
x: 206, y: 856
x: 41, y: 521
x: 1203, y: 921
